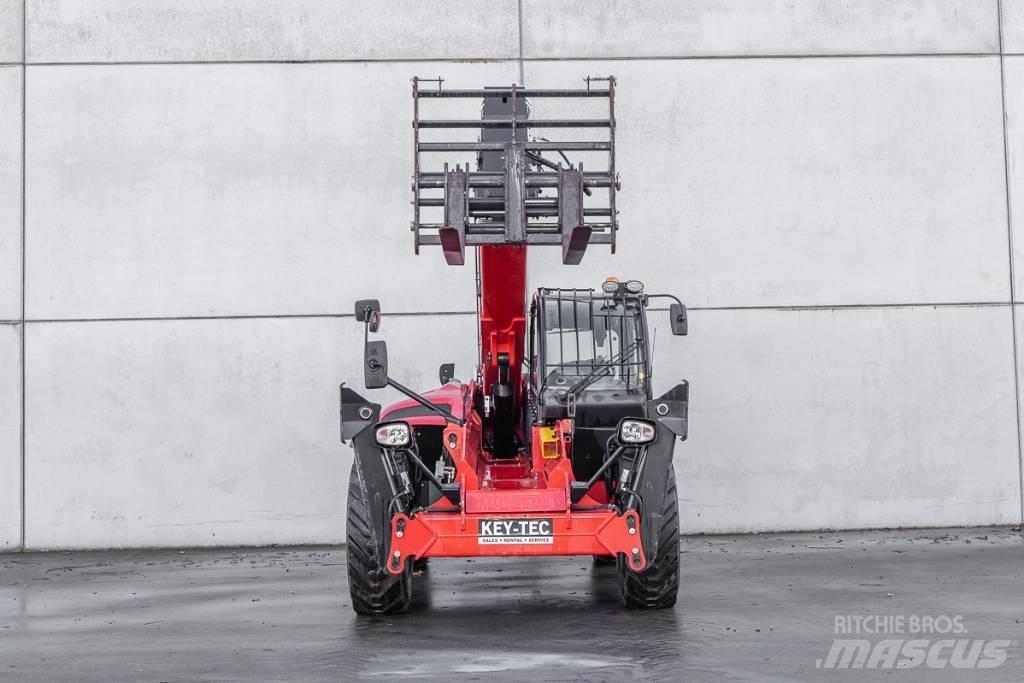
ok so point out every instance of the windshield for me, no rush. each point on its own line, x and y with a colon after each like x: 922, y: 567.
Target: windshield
x: 581, y: 334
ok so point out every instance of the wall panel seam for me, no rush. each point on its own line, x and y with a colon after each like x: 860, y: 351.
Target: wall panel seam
x: 497, y: 60
x: 409, y: 314
x: 522, y: 67
x: 766, y: 56
x: 298, y: 62
x: 24, y: 330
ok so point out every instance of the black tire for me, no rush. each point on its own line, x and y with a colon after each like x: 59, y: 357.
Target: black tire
x: 374, y: 590
x: 657, y: 586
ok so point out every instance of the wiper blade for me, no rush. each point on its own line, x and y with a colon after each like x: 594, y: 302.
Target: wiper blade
x: 596, y: 373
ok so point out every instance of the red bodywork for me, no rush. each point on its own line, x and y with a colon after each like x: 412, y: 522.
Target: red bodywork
x: 502, y: 313
x: 524, y: 487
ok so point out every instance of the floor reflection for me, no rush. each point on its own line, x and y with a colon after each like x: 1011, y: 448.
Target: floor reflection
x: 517, y: 616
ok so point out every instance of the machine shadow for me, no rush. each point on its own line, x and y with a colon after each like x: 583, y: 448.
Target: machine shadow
x: 538, y: 612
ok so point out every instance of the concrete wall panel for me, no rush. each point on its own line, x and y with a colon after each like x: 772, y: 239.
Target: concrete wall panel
x: 10, y: 193
x: 844, y: 419
x: 10, y: 436
x: 214, y: 432
x: 10, y: 30
x: 178, y: 190
x: 198, y: 30
x: 1020, y: 406
x: 224, y: 432
x: 803, y: 182
x: 666, y: 28
x: 1013, y: 25
x: 790, y: 175
x: 1014, y: 83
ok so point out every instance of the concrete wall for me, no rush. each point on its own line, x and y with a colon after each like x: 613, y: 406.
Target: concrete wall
x: 205, y: 185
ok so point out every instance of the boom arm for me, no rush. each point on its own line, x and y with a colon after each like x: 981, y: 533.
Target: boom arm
x: 502, y: 321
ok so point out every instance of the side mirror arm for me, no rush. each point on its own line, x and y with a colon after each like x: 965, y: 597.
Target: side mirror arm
x: 375, y: 360
x: 677, y: 314
x: 425, y: 403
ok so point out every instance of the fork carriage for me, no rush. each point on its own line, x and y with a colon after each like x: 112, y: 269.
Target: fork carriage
x: 501, y: 202
x: 556, y: 445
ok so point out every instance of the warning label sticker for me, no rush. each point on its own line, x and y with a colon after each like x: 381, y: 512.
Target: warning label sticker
x: 515, y: 531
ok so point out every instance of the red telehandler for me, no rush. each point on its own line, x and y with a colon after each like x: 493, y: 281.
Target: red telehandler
x: 556, y: 446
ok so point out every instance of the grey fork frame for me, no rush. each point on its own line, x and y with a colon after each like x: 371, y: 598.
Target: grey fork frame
x: 502, y: 199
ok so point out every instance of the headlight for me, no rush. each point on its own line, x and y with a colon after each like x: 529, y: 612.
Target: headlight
x: 634, y: 286
x: 610, y: 286
x: 392, y: 435
x: 636, y: 432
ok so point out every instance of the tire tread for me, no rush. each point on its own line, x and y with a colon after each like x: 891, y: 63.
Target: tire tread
x: 373, y: 589
x: 657, y: 586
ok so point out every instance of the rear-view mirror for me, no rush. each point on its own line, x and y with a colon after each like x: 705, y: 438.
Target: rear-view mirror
x: 375, y: 365
x: 677, y: 315
x: 368, y: 311
x: 446, y: 372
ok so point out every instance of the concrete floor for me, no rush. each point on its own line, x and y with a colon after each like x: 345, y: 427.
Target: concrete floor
x: 751, y: 608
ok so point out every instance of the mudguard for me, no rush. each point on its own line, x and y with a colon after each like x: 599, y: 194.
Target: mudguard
x: 357, y: 416
x: 373, y: 478
x: 672, y: 409
x: 651, y: 486
x: 355, y: 413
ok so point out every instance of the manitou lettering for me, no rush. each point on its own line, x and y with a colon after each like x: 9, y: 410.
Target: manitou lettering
x: 515, y: 531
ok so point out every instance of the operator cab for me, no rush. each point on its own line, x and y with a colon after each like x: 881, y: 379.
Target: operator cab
x: 589, y: 361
